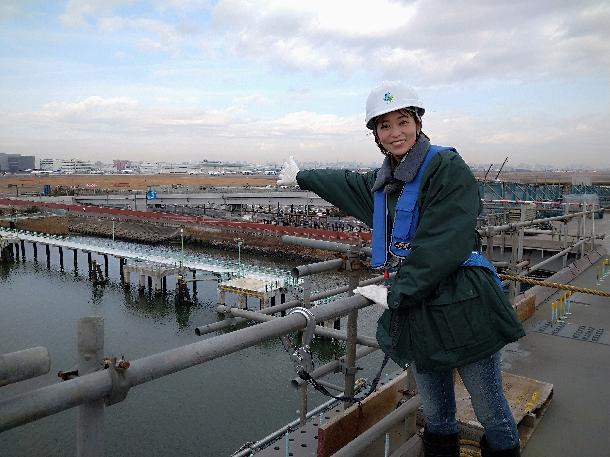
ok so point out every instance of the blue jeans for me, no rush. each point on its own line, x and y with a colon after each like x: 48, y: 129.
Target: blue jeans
x: 483, y: 381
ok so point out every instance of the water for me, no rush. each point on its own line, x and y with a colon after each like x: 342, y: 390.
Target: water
x: 207, y: 410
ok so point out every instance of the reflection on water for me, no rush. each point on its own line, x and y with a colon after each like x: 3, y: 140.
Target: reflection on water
x: 207, y: 410
x: 157, y: 306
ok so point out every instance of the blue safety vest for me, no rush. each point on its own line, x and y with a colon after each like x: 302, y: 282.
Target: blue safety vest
x: 406, y: 219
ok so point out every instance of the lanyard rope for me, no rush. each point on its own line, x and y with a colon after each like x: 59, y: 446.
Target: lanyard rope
x: 554, y: 285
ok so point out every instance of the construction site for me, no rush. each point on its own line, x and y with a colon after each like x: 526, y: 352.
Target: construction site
x: 549, y: 243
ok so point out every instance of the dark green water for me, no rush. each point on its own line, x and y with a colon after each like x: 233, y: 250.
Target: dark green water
x: 208, y: 410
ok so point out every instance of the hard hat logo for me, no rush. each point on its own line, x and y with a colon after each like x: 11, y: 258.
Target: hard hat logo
x: 391, y: 96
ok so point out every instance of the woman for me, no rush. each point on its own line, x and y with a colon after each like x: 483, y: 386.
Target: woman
x: 445, y: 306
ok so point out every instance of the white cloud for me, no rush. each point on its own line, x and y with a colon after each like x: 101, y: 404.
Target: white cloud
x: 181, y: 5
x: 159, y: 36
x: 311, y: 124
x: 541, y: 138
x: 92, y: 109
x: 430, y: 41
x: 278, y: 75
x: 103, y: 121
x: 79, y: 12
x: 253, y: 99
x: 559, y: 139
x: 10, y: 9
x: 123, y: 113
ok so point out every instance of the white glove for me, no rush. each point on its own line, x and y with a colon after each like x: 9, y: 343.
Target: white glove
x: 288, y: 173
x: 375, y: 292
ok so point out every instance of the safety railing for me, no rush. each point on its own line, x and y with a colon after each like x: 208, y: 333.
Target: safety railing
x: 582, y: 240
x: 98, y: 382
x: 351, y: 263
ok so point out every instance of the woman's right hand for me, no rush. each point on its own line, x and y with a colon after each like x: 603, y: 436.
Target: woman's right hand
x: 288, y: 173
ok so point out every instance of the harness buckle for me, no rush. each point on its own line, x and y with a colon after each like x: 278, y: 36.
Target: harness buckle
x: 402, y: 245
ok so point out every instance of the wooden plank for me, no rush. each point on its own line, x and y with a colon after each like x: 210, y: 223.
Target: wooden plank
x: 344, y: 427
x: 528, y: 400
x: 525, y: 308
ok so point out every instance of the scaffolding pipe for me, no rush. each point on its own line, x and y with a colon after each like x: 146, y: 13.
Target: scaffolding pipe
x: 584, y: 230
x: 352, y: 336
x: 319, y: 267
x: 325, y: 245
x: 565, y: 236
x: 217, y: 326
x: 538, y: 232
x: 221, y: 325
x: 90, y: 416
x: 29, y: 406
x: 24, y: 364
x: 331, y: 386
x: 493, y: 229
x: 319, y: 330
x: 499, y: 263
x: 359, y: 444
x: 522, y: 264
x: 556, y: 256
x: 592, y: 228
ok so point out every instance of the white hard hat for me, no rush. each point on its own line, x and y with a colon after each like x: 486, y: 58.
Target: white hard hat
x: 388, y: 97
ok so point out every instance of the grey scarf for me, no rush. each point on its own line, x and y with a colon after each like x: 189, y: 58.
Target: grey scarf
x: 393, y: 180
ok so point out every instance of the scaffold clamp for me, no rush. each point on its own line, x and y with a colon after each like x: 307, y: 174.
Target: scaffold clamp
x: 120, y: 383
x: 302, y: 355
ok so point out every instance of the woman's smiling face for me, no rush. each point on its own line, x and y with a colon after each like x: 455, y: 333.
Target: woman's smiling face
x: 397, y: 132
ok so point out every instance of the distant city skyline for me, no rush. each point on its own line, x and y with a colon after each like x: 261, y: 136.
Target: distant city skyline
x: 351, y: 164
x: 235, y: 80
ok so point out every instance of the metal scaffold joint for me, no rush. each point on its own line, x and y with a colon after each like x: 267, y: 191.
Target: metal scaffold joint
x: 120, y: 383
x: 302, y: 355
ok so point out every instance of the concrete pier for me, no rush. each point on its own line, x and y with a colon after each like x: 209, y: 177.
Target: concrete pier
x: 105, y: 264
x: 269, y: 293
x: 7, y: 253
x: 121, y: 269
x: 150, y: 274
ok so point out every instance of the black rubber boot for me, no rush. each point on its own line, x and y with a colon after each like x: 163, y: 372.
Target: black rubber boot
x: 487, y: 452
x: 437, y: 445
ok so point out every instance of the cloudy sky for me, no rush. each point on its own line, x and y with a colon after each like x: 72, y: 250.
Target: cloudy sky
x: 260, y: 80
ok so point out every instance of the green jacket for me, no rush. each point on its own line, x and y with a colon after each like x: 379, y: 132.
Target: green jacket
x: 444, y: 315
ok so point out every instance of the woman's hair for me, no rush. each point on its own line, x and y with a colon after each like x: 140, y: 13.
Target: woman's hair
x: 404, y: 111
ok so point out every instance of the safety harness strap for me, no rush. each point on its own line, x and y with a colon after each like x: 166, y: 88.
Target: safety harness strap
x: 305, y: 376
x: 476, y: 259
x: 406, y: 217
